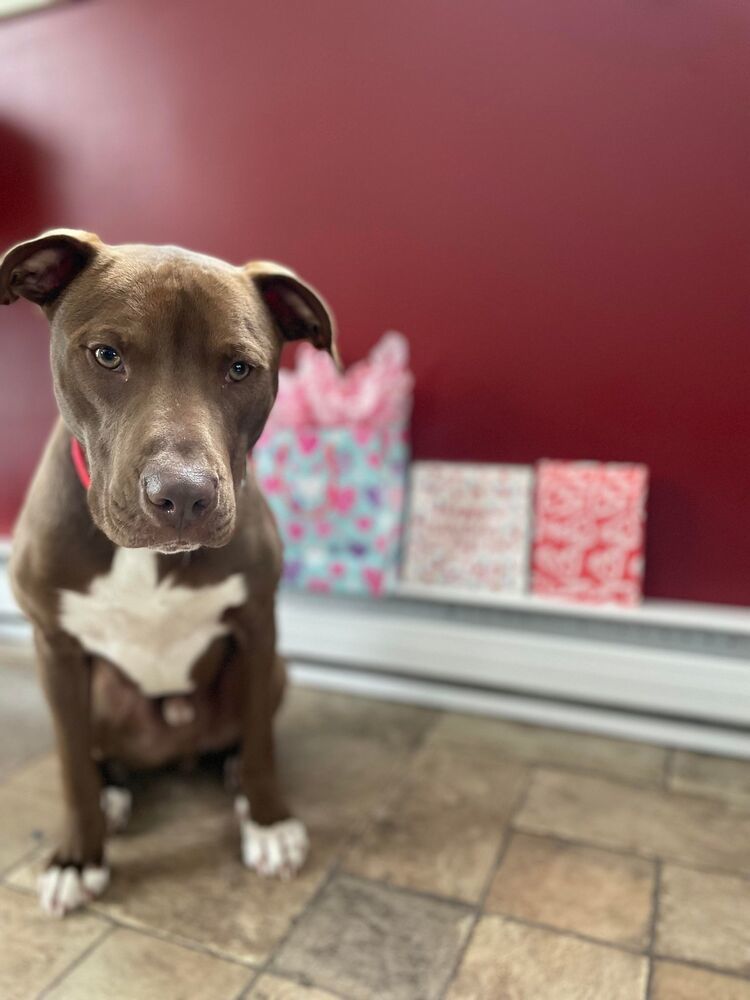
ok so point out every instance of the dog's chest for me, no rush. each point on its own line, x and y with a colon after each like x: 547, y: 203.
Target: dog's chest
x: 153, y: 630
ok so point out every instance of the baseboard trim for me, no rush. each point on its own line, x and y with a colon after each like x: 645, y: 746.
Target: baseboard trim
x: 535, y: 711
x: 657, y: 672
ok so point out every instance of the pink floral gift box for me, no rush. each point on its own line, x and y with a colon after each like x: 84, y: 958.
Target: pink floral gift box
x: 469, y: 526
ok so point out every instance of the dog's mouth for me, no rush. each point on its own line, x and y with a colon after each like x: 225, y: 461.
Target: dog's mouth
x: 174, y: 548
x: 140, y: 533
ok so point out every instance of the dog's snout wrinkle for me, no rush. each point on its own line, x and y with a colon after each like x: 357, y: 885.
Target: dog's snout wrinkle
x: 179, y: 495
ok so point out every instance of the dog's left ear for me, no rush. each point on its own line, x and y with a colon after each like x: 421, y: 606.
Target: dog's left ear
x: 299, y: 312
x: 40, y: 269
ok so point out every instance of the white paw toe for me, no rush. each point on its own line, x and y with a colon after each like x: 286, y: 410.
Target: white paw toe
x: 62, y: 889
x: 117, y: 803
x: 278, y: 850
x: 177, y: 711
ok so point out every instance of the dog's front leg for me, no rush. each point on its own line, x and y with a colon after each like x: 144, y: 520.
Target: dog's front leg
x: 273, y: 842
x: 76, y: 872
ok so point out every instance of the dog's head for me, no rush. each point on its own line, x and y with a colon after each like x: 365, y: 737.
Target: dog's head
x: 165, y: 367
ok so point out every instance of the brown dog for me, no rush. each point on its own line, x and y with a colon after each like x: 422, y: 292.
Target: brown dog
x: 151, y: 593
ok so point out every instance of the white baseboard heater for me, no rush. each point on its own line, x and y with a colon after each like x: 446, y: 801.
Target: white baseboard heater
x: 666, y: 672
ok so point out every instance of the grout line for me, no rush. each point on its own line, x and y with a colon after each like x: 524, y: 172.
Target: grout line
x: 653, y: 924
x: 619, y: 852
x: 167, y: 938
x: 78, y: 960
x: 741, y: 977
x: 432, y: 897
x: 646, y: 784
x: 537, y: 925
x: 631, y: 781
x: 640, y: 855
x: 655, y: 906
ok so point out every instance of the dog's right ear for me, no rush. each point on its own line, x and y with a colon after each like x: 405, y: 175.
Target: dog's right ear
x: 40, y: 269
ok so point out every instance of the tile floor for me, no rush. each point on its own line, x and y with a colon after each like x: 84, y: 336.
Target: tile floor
x: 452, y: 857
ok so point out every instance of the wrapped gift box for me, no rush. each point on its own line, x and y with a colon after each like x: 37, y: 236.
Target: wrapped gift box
x: 469, y: 526
x: 337, y: 494
x: 589, y: 531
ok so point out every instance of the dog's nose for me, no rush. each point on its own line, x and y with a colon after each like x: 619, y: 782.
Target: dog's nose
x: 179, y: 496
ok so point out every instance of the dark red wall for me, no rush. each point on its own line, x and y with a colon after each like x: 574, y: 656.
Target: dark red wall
x: 550, y: 197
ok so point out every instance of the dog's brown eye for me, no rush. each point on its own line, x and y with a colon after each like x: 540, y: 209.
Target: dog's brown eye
x: 107, y: 357
x: 239, y: 370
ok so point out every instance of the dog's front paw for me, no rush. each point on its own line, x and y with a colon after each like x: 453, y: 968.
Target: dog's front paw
x: 278, y: 850
x: 63, y: 888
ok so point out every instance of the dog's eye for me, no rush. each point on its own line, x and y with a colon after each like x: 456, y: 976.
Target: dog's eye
x: 239, y: 370
x: 107, y: 357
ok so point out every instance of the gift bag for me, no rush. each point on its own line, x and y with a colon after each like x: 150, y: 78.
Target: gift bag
x: 469, y: 526
x: 332, y: 464
x: 589, y: 531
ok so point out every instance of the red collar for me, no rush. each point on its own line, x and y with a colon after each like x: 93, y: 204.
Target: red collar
x: 79, y: 462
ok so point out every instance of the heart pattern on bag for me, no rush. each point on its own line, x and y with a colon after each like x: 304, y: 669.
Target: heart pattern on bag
x: 337, y: 494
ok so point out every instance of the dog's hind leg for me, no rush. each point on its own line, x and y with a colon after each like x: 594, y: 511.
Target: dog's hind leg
x: 116, y: 797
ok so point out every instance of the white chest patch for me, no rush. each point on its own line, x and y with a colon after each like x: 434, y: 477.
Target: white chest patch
x: 153, y: 631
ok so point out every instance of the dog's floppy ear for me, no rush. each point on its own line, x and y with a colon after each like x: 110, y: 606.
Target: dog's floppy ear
x: 299, y: 312
x: 40, y: 269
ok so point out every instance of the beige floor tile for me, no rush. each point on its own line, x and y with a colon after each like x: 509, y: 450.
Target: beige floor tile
x: 583, y: 889
x: 364, y: 940
x: 441, y: 834
x: 671, y: 981
x: 636, y: 762
x: 335, y: 781
x: 25, y: 728
x: 704, y: 917
x: 718, y: 777
x: 26, y: 823
x: 34, y: 949
x: 37, y: 778
x: 130, y: 966
x: 644, y: 821
x: 271, y: 987
x: 308, y: 713
x: 509, y: 960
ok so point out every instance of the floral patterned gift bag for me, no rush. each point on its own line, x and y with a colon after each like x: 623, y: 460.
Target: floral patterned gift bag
x: 332, y: 464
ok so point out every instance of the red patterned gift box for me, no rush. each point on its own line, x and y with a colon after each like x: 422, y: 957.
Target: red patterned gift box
x: 589, y: 531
